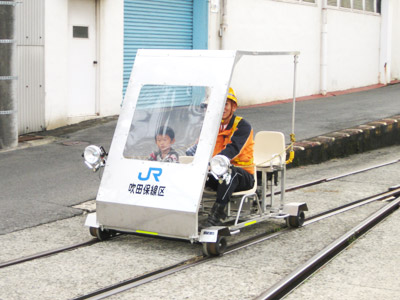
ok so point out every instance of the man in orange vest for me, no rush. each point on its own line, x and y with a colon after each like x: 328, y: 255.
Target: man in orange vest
x: 234, y: 141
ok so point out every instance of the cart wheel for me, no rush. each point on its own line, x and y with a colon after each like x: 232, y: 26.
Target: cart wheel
x: 215, y: 249
x: 297, y: 221
x: 99, y: 233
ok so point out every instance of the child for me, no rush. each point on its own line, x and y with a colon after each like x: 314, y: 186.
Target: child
x: 165, y: 137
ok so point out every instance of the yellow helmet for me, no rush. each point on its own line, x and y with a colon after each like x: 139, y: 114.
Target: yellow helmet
x: 232, y: 95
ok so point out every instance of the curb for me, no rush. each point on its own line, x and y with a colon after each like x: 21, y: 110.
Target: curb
x: 362, y: 138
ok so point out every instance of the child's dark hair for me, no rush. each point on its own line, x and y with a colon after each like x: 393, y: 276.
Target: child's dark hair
x: 165, y: 130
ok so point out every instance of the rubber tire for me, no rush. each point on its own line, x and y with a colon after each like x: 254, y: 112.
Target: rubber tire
x: 297, y: 221
x: 100, y: 234
x: 215, y: 249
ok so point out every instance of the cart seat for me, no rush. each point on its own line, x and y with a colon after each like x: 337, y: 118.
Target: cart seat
x: 246, y: 196
x: 269, y: 156
x: 211, y: 192
x: 250, y: 191
x: 238, y: 198
x: 185, y: 159
x: 270, y: 161
x: 269, y: 150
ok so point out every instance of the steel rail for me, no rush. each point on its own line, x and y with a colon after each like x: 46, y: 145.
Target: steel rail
x: 158, y: 274
x: 143, y: 279
x: 47, y: 253
x: 389, y: 195
x: 327, y: 179
x: 363, y: 170
x: 291, y: 281
x: 146, y: 278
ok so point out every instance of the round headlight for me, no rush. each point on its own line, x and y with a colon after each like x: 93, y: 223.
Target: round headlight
x: 219, y: 165
x: 92, y: 154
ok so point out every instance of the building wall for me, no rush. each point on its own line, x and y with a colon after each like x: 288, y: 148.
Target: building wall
x: 352, y: 54
x: 56, y: 63
x: 353, y: 49
x: 30, y: 53
x: 395, y: 39
x: 261, y: 25
x: 110, y: 57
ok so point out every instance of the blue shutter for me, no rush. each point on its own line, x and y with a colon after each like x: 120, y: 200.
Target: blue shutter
x: 155, y: 24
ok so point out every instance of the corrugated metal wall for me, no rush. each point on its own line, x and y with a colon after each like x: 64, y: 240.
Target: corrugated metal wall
x: 30, y: 53
x: 161, y: 24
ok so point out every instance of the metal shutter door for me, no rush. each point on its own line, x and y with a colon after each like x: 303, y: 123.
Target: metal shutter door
x: 155, y: 24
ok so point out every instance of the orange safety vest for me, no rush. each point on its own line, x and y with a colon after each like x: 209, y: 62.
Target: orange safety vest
x: 245, y: 157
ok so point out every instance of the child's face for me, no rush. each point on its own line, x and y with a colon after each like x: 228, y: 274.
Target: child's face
x: 164, y: 142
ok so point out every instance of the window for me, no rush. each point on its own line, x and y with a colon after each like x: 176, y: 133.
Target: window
x: 345, y: 3
x: 166, y: 118
x: 301, y: 1
x: 80, y: 32
x: 359, y: 5
x: 369, y: 5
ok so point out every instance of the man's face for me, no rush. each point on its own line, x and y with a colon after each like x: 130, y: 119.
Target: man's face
x: 230, y: 108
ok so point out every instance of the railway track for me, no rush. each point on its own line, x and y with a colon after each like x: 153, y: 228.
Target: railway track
x: 293, y: 188
x: 131, y: 283
x: 286, y: 285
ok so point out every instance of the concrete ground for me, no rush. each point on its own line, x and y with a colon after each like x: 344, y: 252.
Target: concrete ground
x: 241, y: 275
x: 42, y: 181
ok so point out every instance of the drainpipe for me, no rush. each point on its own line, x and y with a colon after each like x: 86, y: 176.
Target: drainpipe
x: 223, y: 25
x: 8, y: 80
x: 95, y: 63
x: 324, y: 48
x: 385, y: 42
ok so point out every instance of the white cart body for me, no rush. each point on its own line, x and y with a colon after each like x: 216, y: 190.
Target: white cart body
x: 173, y: 88
x: 185, y: 90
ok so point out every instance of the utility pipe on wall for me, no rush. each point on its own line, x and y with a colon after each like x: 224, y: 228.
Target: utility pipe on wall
x: 324, y: 48
x: 223, y: 25
x: 385, y: 42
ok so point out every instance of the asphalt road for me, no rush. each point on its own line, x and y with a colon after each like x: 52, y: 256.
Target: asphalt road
x: 41, y: 184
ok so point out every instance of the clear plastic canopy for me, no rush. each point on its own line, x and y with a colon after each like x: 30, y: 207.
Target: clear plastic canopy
x: 176, y: 112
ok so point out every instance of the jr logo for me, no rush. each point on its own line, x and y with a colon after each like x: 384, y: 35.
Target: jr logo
x: 156, y: 173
